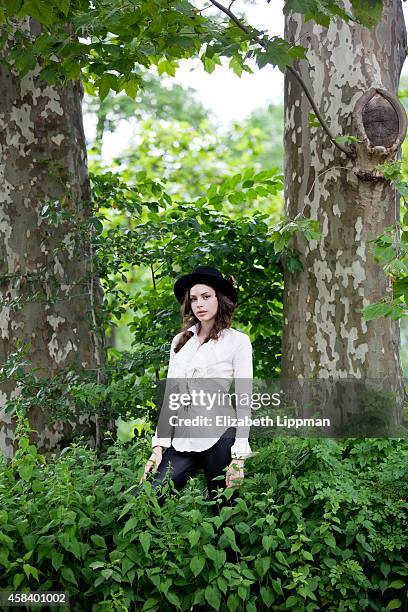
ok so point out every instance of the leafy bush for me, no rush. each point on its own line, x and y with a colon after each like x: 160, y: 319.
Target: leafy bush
x: 317, y: 524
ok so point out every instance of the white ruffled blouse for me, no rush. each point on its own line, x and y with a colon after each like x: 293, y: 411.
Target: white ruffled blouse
x: 229, y: 357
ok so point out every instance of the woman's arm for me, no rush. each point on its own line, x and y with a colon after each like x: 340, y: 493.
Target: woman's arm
x: 243, y: 374
x: 165, y: 442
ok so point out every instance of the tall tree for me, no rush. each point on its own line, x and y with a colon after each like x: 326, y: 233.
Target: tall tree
x: 324, y: 333
x: 47, y: 295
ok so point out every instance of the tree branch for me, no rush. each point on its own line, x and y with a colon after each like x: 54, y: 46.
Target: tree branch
x: 349, y: 152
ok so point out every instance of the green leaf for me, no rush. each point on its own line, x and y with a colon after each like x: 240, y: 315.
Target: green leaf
x: 199, y: 597
x: 219, y: 559
x: 229, y: 534
x: 346, y: 139
x: 243, y: 592
x: 25, y: 471
x: 291, y: 601
x: 262, y: 566
x: 293, y: 263
x: 197, y: 564
x: 68, y: 575
x: 30, y: 570
x: 394, y: 604
x: 126, y: 429
x: 280, y: 557
x: 63, y: 6
x: 105, y: 84
x: 307, y: 555
x: 96, y: 564
x: 145, y: 540
x: 130, y: 524
x: 397, y: 584
x: 107, y: 573
x: 17, y: 580
x: 193, y: 536
x: 98, y: 540
x: 385, y: 568
x: 313, y: 121
x: 97, y: 224
x: 402, y: 188
x: 222, y: 584
x: 383, y: 254
x: 168, y: 67
x: 267, y: 542
x: 376, y: 310
x: 236, y: 65
x: 320, y: 12
x: 56, y: 559
x: 210, y: 63
x: 213, y: 596
x: 233, y: 602
x: 150, y: 604
x: 367, y: 12
x: 41, y: 11
x: 173, y: 599
x: 210, y: 551
x: 131, y: 88
x: 268, y: 596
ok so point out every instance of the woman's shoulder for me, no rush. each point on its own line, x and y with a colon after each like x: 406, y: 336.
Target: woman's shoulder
x: 175, y: 339
x: 237, y: 336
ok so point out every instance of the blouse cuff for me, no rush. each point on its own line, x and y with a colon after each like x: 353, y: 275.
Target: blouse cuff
x: 164, y: 442
x: 241, y: 449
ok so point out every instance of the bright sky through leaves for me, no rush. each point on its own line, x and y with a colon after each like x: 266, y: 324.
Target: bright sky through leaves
x: 229, y: 97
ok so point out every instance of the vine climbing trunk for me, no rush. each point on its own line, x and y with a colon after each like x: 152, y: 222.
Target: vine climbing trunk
x: 48, y: 298
x: 325, y: 336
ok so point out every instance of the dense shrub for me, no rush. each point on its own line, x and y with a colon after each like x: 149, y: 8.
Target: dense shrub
x: 318, y: 524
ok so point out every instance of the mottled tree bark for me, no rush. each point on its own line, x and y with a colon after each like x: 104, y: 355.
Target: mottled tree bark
x: 324, y: 333
x: 43, y: 159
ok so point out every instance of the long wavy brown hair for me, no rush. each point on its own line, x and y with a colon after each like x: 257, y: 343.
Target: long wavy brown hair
x: 223, y: 318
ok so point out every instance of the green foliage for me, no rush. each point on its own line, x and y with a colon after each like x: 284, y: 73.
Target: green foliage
x: 390, y: 250
x: 346, y: 139
x: 367, y: 12
x: 317, y: 524
x: 153, y: 101
x: 364, y: 12
x: 111, y: 45
x: 191, y: 157
x: 320, y: 12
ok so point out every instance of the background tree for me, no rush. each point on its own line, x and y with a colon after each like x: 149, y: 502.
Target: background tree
x: 47, y: 299
x: 324, y: 332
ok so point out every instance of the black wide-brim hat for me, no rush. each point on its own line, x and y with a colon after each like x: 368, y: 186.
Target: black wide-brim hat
x: 206, y: 276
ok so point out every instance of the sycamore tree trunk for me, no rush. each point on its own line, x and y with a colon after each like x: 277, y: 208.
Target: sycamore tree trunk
x: 46, y: 296
x: 324, y: 334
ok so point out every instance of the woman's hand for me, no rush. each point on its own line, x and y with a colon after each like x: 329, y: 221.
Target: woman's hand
x: 153, y: 462
x: 235, y: 473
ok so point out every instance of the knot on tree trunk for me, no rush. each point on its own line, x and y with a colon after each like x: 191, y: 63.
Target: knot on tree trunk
x: 381, y: 122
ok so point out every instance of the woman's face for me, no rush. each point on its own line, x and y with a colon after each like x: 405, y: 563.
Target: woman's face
x: 204, y: 302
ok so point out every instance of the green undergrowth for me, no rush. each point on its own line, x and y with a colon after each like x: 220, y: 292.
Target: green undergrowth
x: 318, y: 524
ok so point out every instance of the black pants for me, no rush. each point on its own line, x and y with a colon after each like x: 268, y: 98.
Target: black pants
x: 180, y: 466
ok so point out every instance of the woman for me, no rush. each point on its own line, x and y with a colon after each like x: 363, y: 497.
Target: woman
x: 207, y: 347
